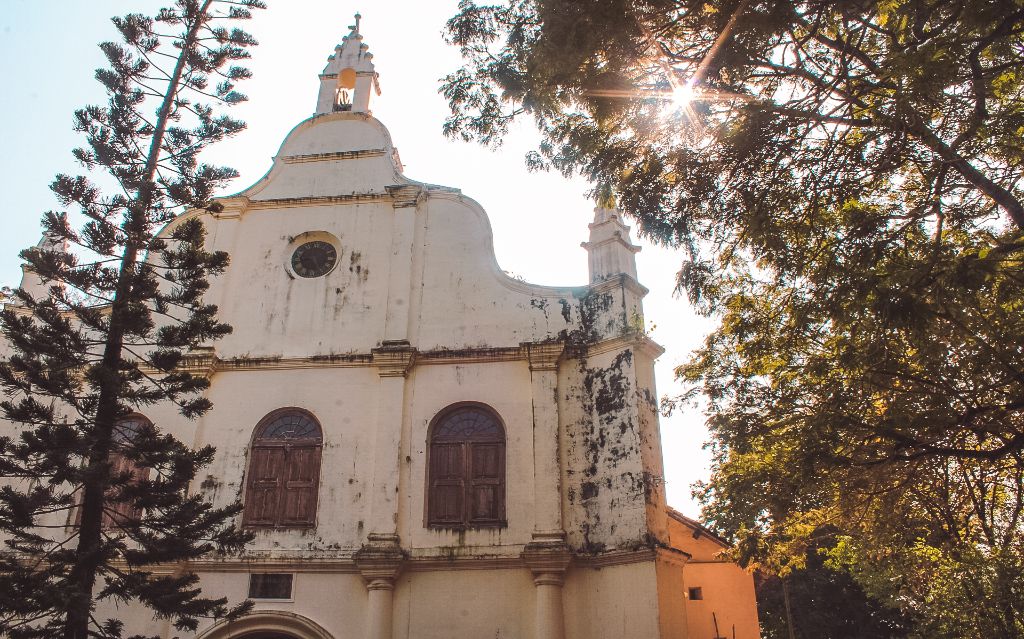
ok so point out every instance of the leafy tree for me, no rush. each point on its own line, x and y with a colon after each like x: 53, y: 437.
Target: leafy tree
x: 823, y: 602
x: 845, y: 181
x: 95, y: 499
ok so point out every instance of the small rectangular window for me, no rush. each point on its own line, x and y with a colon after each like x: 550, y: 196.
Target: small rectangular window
x: 270, y: 585
x: 696, y: 594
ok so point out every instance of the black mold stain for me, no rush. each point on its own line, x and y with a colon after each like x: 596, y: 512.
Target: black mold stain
x: 589, y: 490
x: 592, y: 307
x: 540, y: 303
x: 609, y: 386
x: 605, y: 478
x: 356, y: 267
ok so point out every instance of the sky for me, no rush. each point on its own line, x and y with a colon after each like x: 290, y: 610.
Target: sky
x: 48, y: 55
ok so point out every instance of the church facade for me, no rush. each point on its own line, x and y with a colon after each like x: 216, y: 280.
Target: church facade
x: 425, y: 447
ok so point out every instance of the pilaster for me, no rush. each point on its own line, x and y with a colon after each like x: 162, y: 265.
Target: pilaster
x: 404, y: 199
x: 393, y: 361
x: 548, y: 561
x: 379, y: 561
x: 547, y: 492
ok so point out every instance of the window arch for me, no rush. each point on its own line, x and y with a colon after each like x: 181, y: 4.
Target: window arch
x: 466, y: 468
x: 119, y: 510
x: 284, y: 471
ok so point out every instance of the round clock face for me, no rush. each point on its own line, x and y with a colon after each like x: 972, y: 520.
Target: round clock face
x: 314, y: 259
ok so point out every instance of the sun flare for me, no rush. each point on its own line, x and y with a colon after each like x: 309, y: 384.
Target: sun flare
x: 683, y: 94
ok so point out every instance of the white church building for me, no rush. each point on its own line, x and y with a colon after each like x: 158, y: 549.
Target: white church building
x: 425, y: 447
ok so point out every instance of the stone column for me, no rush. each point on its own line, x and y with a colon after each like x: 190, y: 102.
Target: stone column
x: 547, y: 472
x: 548, y: 562
x: 379, y: 561
x: 393, y: 360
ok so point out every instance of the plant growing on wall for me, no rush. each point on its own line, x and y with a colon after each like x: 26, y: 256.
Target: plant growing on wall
x: 844, y: 179
x: 96, y: 498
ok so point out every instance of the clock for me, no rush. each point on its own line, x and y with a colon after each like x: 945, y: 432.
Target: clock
x: 314, y: 259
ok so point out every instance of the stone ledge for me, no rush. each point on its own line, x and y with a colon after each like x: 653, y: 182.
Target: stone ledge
x: 327, y: 157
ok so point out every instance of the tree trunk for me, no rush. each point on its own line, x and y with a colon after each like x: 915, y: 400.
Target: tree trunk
x: 789, y: 610
x: 88, y: 557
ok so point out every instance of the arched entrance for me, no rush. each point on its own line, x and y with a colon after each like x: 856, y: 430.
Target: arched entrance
x: 267, y: 624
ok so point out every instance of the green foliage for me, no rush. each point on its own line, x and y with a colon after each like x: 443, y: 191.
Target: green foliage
x: 96, y: 503
x: 845, y: 181
x: 824, y: 601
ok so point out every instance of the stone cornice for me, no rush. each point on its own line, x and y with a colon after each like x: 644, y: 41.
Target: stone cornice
x: 322, y: 200
x: 201, y: 361
x: 673, y: 556
x: 615, y: 239
x: 543, y: 356
x: 233, y: 207
x: 619, y: 281
x: 354, y: 360
x: 327, y: 157
x: 636, y: 340
x: 405, y: 195
x: 345, y: 562
x: 394, y: 359
x: 615, y: 558
x: 397, y: 359
x: 471, y: 356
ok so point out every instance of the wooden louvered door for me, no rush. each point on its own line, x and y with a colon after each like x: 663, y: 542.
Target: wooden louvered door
x: 486, y: 491
x: 447, y: 488
x: 466, y: 469
x: 284, y: 471
x: 300, y: 487
x: 263, y: 490
x: 118, y: 513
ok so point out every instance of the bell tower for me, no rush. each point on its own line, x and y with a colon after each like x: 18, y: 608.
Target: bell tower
x: 348, y: 79
x: 610, y: 249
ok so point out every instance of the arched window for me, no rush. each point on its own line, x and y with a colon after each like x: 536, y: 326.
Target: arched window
x: 284, y: 471
x: 466, y: 469
x: 119, y: 510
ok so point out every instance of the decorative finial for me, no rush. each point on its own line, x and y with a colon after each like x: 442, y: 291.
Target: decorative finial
x: 356, y: 27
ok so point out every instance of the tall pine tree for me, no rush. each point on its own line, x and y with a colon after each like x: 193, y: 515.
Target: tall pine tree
x: 95, y: 498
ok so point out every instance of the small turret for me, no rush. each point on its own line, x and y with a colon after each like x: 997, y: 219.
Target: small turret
x: 610, y: 249
x: 349, y: 78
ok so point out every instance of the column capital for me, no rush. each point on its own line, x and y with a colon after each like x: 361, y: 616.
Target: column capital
x: 393, y: 358
x: 229, y: 208
x: 379, y: 561
x: 544, y: 356
x: 548, y: 560
x: 201, y: 361
x: 405, y: 195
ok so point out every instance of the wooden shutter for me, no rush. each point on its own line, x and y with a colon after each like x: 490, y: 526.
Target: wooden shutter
x: 263, y: 494
x: 300, y: 487
x: 117, y: 513
x: 447, y: 489
x: 486, y: 482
